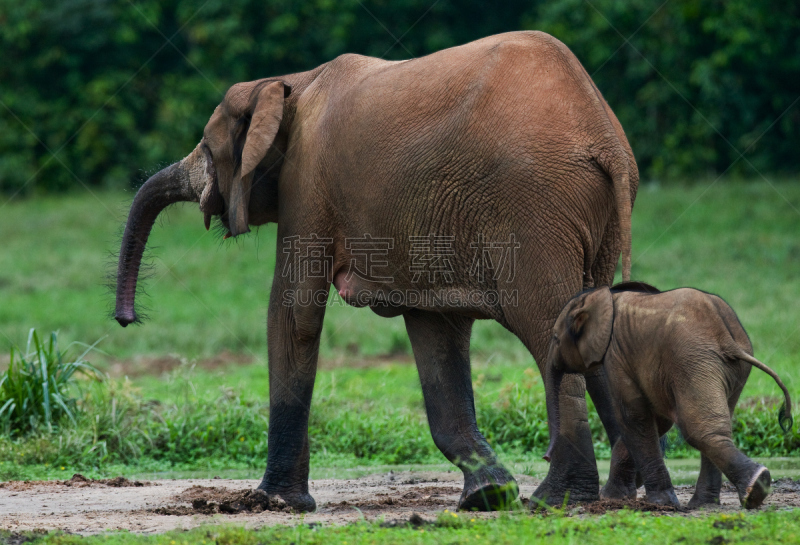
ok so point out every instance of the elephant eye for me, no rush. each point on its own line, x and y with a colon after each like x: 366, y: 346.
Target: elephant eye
x: 210, y: 170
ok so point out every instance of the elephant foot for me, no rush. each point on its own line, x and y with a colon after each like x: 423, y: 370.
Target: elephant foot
x: 700, y: 499
x: 555, y: 494
x: 298, y: 500
x: 572, y: 477
x: 663, y: 497
x: 490, y: 488
x: 622, y: 477
x: 758, y: 489
x: 618, y: 491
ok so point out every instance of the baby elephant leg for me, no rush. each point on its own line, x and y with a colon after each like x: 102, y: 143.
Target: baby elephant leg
x: 752, y: 480
x: 640, y: 434
x: 706, y: 424
x: 709, y: 483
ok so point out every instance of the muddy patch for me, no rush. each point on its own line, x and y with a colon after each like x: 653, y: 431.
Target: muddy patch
x: 212, y: 500
x: 87, y: 506
x: 603, y: 506
x: 77, y: 481
x: 158, y: 365
x: 426, y: 496
x: 356, y: 361
x: 785, y: 485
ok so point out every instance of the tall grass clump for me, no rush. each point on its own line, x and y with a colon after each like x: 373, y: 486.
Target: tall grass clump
x: 36, y: 391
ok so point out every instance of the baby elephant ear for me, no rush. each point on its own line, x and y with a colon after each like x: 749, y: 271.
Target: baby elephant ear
x: 266, y: 119
x: 591, y: 325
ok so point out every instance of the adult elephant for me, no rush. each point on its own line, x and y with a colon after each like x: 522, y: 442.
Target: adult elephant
x: 486, y: 181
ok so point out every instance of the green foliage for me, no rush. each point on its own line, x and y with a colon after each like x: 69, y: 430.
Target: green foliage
x: 515, y: 418
x: 369, y: 417
x: 755, y: 425
x: 97, y: 92
x: 697, y: 83
x: 35, y: 390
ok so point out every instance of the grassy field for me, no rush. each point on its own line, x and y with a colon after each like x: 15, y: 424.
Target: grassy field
x: 737, y: 240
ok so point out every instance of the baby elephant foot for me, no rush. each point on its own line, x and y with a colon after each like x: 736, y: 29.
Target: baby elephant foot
x: 490, y: 488
x: 299, y: 500
x: 703, y: 499
x: 663, y: 497
x: 622, y: 476
x: 757, y: 490
x: 704, y: 496
x: 616, y: 490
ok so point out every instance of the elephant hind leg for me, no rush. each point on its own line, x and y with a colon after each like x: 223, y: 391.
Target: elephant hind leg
x: 706, y: 424
x: 709, y: 483
x: 441, y: 350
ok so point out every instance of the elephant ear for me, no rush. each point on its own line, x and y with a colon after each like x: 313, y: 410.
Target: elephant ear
x: 590, y: 325
x: 267, y: 113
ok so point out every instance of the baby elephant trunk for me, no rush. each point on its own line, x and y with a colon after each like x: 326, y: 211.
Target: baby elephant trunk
x: 552, y: 391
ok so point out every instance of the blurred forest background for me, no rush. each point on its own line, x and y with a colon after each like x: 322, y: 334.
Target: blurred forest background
x: 107, y: 88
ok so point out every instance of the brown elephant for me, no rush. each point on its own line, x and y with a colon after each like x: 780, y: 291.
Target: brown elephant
x: 486, y: 181
x: 680, y: 356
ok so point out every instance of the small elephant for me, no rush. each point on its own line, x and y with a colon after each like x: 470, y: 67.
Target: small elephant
x: 679, y: 356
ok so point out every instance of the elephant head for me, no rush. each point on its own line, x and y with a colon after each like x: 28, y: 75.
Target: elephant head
x: 581, y: 337
x: 232, y: 173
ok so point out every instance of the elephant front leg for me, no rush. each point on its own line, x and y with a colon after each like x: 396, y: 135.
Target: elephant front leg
x: 293, y: 334
x: 573, y: 469
x: 621, y: 482
x: 640, y: 432
x: 441, y: 350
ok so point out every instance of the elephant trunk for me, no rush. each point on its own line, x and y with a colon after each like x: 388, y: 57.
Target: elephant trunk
x: 552, y: 392
x: 166, y: 187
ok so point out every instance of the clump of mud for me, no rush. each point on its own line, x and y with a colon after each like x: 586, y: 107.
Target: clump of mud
x: 428, y: 496
x: 206, y: 500
x: 602, y: 506
x: 77, y: 481
x: 415, y: 521
x: 785, y: 484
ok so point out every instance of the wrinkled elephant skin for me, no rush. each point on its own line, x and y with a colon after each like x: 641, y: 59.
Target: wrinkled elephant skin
x: 680, y: 356
x: 486, y: 181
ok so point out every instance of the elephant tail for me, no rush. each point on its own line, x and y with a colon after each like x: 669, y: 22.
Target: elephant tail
x: 616, y: 165
x: 785, y: 413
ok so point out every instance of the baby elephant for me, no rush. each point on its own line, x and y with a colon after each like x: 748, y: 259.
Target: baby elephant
x: 679, y: 356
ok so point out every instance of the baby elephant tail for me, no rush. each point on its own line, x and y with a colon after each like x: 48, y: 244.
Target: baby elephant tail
x: 785, y: 414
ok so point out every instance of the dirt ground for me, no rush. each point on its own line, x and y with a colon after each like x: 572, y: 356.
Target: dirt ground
x: 85, y: 506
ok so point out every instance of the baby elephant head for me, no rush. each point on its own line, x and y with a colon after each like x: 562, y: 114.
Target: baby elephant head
x: 580, y: 339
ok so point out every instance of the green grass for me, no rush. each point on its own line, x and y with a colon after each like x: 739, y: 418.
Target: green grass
x: 192, y: 420
x: 35, y: 389
x: 735, y: 239
x: 622, y: 528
